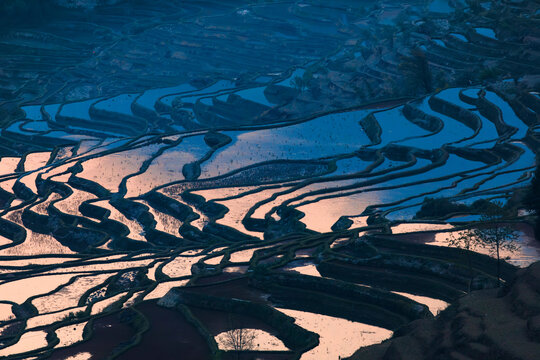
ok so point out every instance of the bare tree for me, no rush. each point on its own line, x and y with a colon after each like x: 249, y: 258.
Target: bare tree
x: 239, y: 338
x: 532, y: 201
x: 466, y: 240
x: 497, y: 238
x: 492, y: 234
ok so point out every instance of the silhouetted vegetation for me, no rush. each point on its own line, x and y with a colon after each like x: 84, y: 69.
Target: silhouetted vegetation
x: 533, y: 200
x: 435, y: 208
x: 494, y: 236
x: 467, y: 241
x: 243, y: 158
x: 497, y: 238
x: 416, y: 70
x: 239, y: 338
x: 439, y: 207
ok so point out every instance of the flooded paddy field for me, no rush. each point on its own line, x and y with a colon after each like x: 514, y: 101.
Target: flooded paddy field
x: 186, y: 169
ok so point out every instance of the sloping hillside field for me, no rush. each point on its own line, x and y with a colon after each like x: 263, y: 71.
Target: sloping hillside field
x: 170, y: 171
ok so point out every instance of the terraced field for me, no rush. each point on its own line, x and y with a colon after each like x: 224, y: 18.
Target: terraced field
x: 243, y: 188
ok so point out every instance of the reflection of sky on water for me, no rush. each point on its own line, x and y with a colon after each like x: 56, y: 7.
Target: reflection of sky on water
x: 120, y: 104
x: 321, y: 137
x: 78, y: 109
x: 396, y: 127
x: 487, y: 32
x: 434, y: 305
x: 320, y: 216
x: 168, y: 166
x: 352, y: 335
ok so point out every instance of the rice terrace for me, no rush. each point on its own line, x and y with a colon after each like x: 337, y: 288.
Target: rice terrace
x: 270, y: 180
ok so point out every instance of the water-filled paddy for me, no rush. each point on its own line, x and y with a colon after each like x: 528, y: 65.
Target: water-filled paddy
x: 253, y: 159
